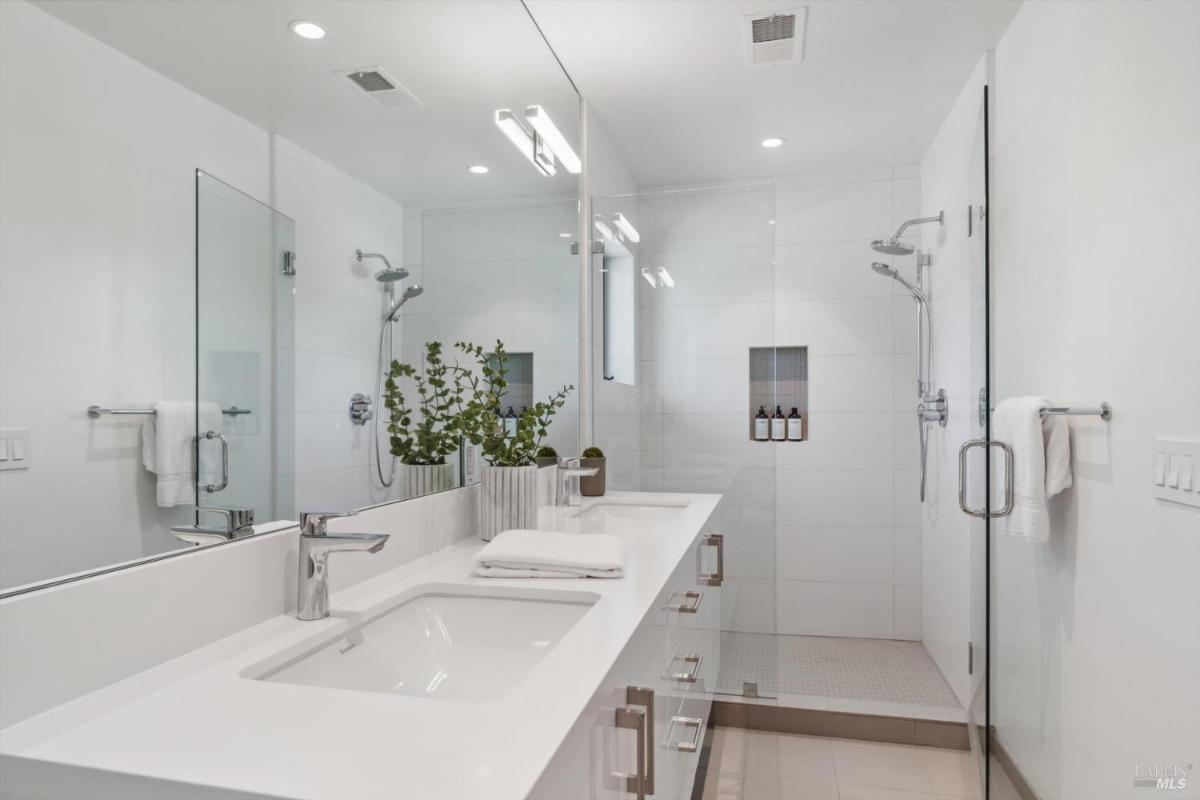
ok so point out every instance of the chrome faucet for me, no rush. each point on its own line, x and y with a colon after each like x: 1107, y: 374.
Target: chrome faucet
x: 569, y: 473
x: 238, y: 522
x: 315, y: 547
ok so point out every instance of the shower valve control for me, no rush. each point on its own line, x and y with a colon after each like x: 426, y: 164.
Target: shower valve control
x: 360, y: 409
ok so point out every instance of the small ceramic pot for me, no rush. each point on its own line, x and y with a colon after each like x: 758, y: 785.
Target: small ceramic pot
x: 507, y: 499
x: 593, y: 486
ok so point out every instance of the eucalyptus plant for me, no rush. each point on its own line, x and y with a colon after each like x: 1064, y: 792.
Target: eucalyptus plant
x: 433, y: 429
x: 481, y: 423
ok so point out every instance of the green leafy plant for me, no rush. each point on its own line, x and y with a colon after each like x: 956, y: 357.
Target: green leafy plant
x: 593, y: 452
x: 433, y: 429
x: 480, y: 421
x: 545, y: 451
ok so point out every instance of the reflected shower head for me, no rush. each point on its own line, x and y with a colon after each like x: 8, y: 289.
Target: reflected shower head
x: 388, y: 274
x: 409, y: 293
x: 884, y: 269
x: 892, y: 247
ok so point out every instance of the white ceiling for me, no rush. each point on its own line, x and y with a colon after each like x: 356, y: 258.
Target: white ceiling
x: 670, y: 83
x: 462, y: 59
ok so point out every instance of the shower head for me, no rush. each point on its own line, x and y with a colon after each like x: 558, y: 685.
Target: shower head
x: 388, y: 274
x: 892, y: 247
x: 409, y: 293
x: 884, y: 269
x: 890, y: 272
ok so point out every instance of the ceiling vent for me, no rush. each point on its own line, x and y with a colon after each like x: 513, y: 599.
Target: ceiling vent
x: 775, y: 37
x: 379, y: 87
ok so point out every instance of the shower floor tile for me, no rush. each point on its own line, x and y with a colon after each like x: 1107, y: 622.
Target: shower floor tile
x: 865, y: 675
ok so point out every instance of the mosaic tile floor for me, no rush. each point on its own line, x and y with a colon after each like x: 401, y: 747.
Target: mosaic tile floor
x: 835, y: 667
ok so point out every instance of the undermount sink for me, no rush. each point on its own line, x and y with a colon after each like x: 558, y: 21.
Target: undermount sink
x: 444, y: 642
x: 647, y: 511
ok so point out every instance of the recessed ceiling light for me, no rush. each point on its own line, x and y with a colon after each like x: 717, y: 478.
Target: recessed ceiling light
x: 307, y: 30
x: 564, y: 236
x: 478, y: 169
x: 774, y: 141
x: 770, y: 222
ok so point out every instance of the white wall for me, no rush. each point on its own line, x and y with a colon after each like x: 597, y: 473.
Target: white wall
x: 823, y: 535
x: 97, y: 290
x: 1096, y: 288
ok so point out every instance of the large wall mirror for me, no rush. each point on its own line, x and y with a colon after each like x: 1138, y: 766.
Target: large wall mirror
x: 242, y: 252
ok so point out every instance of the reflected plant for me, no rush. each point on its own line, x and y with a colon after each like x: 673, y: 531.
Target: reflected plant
x: 433, y: 429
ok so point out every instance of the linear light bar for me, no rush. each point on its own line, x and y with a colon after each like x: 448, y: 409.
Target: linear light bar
x: 626, y: 227
x: 649, y: 278
x: 605, y: 231
x: 665, y: 278
x: 522, y: 139
x: 554, y: 139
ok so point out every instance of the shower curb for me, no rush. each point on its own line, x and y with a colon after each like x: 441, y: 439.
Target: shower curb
x: 841, y: 725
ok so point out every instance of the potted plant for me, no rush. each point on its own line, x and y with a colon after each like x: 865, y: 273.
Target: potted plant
x: 422, y: 437
x: 593, y: 486
x: 508, y: 490
x: 547, y: 456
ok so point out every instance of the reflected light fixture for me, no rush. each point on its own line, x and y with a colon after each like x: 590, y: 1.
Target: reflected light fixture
x: 649, y: 278
x: 605, y: 231
x: 529, y: 143
x: 307, y: 30
x: 626, y: 227
x: 773, y: 142
x: 665, y: 278
x: 564, y: 236
x: 555, y: 141
x: 478, y: 169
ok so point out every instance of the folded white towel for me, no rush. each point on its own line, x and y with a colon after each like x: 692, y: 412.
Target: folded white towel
x: 549, y: 554
x: 1041, y: 463
x: 167, y: 448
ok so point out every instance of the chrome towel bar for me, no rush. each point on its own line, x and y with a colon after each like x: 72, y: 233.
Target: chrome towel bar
x: 95, y: 411
x: 1104, y: 411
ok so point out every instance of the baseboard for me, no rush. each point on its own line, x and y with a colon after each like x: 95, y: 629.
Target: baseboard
x: 1001, y: 758
x: 842, y: 725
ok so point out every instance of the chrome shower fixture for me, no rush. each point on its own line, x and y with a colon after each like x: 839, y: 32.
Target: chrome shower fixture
x: 894, y: 247
x: 388, y: 274
x: 409, y: 293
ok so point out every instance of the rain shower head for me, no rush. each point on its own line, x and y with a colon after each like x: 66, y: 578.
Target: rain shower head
x: 892, y: 247
x: 409, y: 293
x: 388, y: 274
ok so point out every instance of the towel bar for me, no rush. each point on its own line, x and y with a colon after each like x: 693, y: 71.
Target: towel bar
x: 95, y: 411
x: 1104, y: 411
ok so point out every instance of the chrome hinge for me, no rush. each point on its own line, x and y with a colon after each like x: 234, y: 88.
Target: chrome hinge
x: 289, y: 262
x: 970, y: 219
x: 970, y: 658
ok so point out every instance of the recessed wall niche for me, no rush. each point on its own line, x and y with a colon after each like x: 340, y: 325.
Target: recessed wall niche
x: 519, y: 393
x: 779, y: 377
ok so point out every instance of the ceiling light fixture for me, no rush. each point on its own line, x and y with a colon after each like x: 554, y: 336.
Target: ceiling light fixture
x: 649, y: 278
x: 307, y: 30
x: 605, y: 231
x: 665, y: 278
x: 548, y: 131
x: 478, y: 169
x: 773, y: 142
x: 626, y: 227
x: 531, y: 145
x: 564, y: 236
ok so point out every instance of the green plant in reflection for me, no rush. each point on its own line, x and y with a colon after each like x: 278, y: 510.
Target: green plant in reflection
x: 433, y: 429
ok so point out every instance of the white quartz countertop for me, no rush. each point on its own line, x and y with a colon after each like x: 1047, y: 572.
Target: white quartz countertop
x: 196, y: 720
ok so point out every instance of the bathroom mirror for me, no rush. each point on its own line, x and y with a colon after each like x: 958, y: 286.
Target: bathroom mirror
x: 370, y: 170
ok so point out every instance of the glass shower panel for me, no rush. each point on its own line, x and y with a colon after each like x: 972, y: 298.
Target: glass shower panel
x: 245, y: 260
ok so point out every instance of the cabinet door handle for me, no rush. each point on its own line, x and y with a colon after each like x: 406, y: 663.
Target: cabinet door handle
x: 690, y: 604
x: 691, y: 675
x: 641, y: 721
x: 687, y: 746
x: 711, y: 578
x: 1009, y: 494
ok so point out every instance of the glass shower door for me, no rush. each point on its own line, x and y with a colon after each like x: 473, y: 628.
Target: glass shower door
x: 245, y: 261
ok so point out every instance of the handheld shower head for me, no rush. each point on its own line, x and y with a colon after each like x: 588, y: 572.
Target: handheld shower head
x: 409, y: 293
x: 884, y: 269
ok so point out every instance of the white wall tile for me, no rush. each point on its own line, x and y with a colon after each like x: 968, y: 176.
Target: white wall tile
x: 810, y: 608
x: 842, y: 384
x: 834, y: 213
x: 834, y: 553
x: 834, y: 497
x: 908, y: 613
x: 835, y: 327
x: 841, y: 441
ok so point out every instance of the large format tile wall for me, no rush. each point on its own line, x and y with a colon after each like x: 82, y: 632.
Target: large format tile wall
x: 824, y: 535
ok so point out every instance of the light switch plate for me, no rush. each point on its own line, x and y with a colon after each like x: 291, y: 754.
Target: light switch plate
x: 1176, y: 470
x: 17, y: 443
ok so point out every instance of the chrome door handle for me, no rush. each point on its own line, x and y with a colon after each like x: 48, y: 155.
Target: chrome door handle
x: 711, y: 578
x: 691, y: 675
x: 690, y: 605
x: 1009, y: 497
x: 685, y: 745
x: 642, y: 721
x: 211, y: 487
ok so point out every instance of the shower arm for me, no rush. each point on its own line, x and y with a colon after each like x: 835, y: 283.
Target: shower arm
x: 940, y: 219
x: 361, y: 255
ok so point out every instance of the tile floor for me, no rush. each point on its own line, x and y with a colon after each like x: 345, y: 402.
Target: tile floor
x: 756, y: 765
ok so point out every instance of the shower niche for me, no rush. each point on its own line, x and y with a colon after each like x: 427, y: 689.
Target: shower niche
x: 779, y: 377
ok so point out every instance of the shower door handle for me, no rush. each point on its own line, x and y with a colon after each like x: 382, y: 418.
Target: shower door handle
x: 210, y: 487
x: 716, y: 540
x: 1009, y: 498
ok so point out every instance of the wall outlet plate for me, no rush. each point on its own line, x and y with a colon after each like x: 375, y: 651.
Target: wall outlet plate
x: 1175, y: 470
x: 14, y: 449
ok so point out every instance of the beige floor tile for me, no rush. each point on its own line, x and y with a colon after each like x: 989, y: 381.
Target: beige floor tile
x: 722, y: 787
x: 1002, y: 788
x: 885, y: 766
x: 952, y: 772
x: 849, y: 792
x: 788, y: 767
x: 728, y: 755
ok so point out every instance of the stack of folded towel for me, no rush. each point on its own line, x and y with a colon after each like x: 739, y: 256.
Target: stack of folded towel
x: 548, y: 554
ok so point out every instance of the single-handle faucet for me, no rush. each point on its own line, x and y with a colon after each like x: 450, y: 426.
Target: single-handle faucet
x: 238, y: 522
x: 569, y: 473
x: 315, y: 547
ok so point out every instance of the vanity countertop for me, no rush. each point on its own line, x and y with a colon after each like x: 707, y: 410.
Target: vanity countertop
x: 195, y: 720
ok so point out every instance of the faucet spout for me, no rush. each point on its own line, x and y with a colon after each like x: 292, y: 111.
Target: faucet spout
x: 315, y: 547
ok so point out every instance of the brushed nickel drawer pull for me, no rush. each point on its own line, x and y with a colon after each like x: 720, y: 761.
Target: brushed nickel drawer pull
x: 683, y: 744
x: 690, y: 605
x: 691, y: 675
x: 641, y: 721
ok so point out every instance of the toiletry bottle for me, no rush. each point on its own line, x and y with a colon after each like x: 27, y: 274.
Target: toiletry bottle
x: 778, y: 425
x: 795, y: 426
x: 760, y: 425
x: 510, y: 423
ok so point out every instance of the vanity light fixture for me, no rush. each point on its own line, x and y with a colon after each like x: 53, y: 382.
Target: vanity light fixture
x: 665, y: 278
x: 605, y: 231
x: 649, y: 278
x: 626, y: 227
x: 531, y: 145
x: 555, y: 141
x: 307, y: 30
x: 478, y: 169
x: 772, y: 142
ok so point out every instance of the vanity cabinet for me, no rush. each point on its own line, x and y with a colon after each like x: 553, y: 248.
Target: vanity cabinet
x: 642, y: 733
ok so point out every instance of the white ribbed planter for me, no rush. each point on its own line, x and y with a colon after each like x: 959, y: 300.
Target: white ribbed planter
x: 423, y: 479
x: 507, y: 499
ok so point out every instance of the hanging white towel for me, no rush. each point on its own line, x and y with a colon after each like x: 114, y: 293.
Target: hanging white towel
x: 167, y: 448
x: 1041, y: 463
x: 549, y: 554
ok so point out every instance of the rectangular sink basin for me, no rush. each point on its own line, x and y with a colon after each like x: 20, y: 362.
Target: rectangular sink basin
x: 649, y: 512
x: 445, y: 642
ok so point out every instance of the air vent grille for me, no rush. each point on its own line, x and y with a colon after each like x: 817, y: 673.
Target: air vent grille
x: 380, y: 88
x: 371, y: 81
x: 773, y: 28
